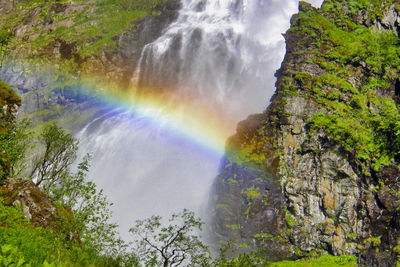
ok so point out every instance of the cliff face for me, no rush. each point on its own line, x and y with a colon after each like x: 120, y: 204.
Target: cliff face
x: 98, y: 39
x: 318, y: 170
x: 90, y: 37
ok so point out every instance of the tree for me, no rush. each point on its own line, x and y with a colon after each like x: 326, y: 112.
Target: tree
x: 60, y: 151
x: 17, y: 142
x: 52, y: 170
x: 90, y: 207
x: 171, y: 245
x: 10, y: 146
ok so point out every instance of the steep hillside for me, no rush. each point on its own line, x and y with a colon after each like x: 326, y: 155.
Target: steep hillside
x: 103, y: 37
x: 318, y: 171
x: 56, y: 44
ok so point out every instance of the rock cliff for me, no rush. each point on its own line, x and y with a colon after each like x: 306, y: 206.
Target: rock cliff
x: 57, y: 44
x: 318, y: 171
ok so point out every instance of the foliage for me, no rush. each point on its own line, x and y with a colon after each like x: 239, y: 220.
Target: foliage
x: 91, y: 209
x: 356, y: 86
x: 243, y: 260
x: 15, y: 141
x: 170, y: 245
x: 324, y: 261
x: 35, y: 245
x: 9, y: 132
x: 251, y: 259
x: 256, y: 259
x: 252, y: 153
x: 5, y: 37
x: 59, y: 153
x: 81, y: 233
x: 18, y: 144
x: 89, y: 206
x: 12, y: 257
x: 252, y: 193
x: 290, y: 221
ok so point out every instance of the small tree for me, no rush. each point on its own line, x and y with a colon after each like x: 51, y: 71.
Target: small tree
x: 60, y: 150
x: 171, y: 245
x: 11, y: 147
x: 52, y: 171
x: 18, y: 145
x: 90, y: 207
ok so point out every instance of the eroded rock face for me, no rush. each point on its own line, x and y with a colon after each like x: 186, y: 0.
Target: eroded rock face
x: 291, y: 188
x: 40, y: 87
x: 36, y: 205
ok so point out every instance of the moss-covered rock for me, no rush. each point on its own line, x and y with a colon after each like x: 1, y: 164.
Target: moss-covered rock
x: 36, y: 205
x: 328, y: 140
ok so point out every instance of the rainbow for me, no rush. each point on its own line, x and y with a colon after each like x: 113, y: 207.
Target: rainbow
x: 181, y: 117
x: 185, y: 119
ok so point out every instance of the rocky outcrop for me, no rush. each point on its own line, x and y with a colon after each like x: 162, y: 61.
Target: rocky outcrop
x: 39, y: 209
x: 36, y: 205
x: 317, y: 171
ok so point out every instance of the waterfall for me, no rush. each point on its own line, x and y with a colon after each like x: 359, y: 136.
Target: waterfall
x: 220, y: 53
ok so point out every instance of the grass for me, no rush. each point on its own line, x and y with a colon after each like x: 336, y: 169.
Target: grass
x: 91, y: 26
x: 324, y: 261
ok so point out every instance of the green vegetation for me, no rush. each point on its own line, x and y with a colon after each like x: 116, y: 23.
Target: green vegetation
x: 362, y: 113
x: 59, y: 153
x: 362, y: 116
x: 22, y: 241
x: 253, y: 153
x: 252, y: 193
x: 324, y: 261
x: 242, y: 260
x: 11, y: 148
x: 51, y: 171
x: 90, y: 26
x: 5, y: 37
x: 290, y: 221
x: 79, y: 233
x: 171, y: 245
x: 255, y: 259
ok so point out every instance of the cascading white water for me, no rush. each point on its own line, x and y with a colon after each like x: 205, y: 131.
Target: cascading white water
x: 221, y: 52
x: 225, y: 51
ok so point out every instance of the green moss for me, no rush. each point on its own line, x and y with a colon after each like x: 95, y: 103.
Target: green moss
x: 251, y: 153
x: 252, y: 193
x: 233, y: 226
x: 359, y: 63
x: 290, y: 221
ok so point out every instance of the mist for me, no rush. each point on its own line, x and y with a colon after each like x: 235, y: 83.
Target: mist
x: 220, y: 55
